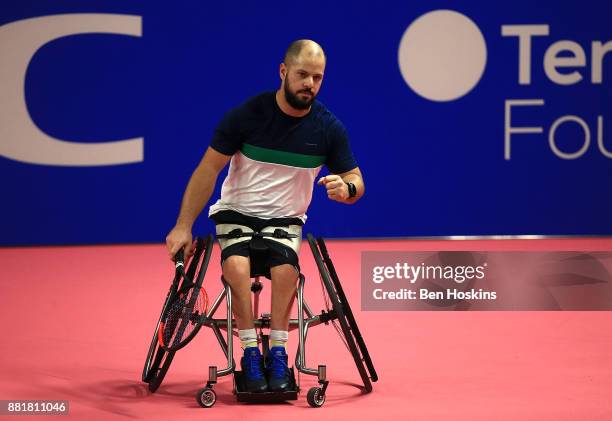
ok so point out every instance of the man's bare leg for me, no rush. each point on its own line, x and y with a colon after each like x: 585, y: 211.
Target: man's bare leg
x: 284, y: 286
x: 236, y: 272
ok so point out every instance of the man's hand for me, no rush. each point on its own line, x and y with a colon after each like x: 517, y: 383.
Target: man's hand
x: 178, y: 238
x: 336, y: 187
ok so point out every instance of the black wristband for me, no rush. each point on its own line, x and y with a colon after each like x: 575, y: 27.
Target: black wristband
x: 352, y: 190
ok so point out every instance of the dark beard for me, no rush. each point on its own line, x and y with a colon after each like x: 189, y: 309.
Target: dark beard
x: 295, y: 101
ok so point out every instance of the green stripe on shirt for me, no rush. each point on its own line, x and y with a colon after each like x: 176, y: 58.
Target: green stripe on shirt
x: 281, y: 157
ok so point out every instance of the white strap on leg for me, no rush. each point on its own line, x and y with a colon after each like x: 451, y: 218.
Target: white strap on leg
x: 292, y: 243
x: 223, y: 229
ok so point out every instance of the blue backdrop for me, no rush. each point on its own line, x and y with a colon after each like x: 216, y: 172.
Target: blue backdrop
x: 431, y: 167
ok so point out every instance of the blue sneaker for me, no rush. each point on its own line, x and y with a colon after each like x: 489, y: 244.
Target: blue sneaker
x: 252, y: 370
x: 277, y: 371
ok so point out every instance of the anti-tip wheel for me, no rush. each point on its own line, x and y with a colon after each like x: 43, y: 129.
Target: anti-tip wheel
x: 315, y: 397
x: 206, y: 397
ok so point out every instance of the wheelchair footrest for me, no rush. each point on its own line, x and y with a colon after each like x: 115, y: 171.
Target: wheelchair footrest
x: 264, y: 397
x: 267, y: 397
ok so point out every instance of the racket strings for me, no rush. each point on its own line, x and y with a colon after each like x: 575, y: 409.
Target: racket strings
x: 183, y: 317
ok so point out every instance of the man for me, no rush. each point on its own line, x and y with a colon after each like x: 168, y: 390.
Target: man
x: 277, y: 143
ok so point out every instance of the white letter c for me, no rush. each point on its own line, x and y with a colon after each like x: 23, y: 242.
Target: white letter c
x: 20, y: 138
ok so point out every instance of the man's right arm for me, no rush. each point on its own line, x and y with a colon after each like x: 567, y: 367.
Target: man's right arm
x: 198, y: 192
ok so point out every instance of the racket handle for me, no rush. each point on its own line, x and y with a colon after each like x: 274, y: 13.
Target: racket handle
x: 179, y: 258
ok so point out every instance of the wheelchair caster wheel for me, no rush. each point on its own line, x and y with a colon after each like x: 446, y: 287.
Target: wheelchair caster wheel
x: 315, y: 397
x: 206, y: 397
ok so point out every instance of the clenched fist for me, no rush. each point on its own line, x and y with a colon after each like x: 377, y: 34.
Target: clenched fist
x: 336, y: 187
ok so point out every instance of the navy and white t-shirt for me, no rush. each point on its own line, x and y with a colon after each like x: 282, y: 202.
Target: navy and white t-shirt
x: 276, y: 158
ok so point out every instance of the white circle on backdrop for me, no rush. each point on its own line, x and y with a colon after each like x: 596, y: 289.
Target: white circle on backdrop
x: 442, y: 55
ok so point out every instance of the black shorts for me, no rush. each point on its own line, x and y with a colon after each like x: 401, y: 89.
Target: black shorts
x: 277, y: 254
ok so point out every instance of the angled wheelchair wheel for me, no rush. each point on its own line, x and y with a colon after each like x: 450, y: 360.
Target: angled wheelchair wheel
x: 347, y: 310
x: 159, y: 356
x: 348, y: 329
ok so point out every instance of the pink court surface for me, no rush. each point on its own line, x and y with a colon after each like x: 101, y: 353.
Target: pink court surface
x: 77, y: 322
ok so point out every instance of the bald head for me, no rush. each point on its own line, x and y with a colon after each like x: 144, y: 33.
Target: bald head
x: 301, y: 74
x: 303, y: 49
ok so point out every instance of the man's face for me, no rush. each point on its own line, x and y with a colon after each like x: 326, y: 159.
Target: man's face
x: 302, y: 81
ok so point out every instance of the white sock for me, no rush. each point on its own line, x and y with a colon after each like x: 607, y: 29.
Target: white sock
x: 248, y: 338
x: 279, y: 338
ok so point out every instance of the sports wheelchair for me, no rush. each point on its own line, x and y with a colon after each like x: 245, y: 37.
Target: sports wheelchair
x: 186, y: 310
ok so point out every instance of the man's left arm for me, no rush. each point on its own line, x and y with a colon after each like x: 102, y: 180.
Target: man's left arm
x: 338, y: 188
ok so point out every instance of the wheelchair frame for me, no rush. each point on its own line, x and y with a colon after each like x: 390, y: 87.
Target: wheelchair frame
x: 159, y: 359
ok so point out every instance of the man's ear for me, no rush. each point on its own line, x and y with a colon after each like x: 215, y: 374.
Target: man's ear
x: 282, y: 71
